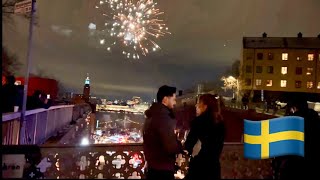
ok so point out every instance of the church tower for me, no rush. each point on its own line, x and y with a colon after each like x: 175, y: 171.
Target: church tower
x: 86, y: 89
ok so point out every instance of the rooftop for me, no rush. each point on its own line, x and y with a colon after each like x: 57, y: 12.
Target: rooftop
x: 298, y: 42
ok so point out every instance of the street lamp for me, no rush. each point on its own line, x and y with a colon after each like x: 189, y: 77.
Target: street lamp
x: 238, y: 88
x: 231, y: 83
x: 23, y: 134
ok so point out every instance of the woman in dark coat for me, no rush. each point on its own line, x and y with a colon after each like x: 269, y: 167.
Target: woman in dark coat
x: 208, y: 127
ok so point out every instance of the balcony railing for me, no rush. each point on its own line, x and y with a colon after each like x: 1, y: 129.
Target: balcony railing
x: 40, y: 124
x: 126, y: 161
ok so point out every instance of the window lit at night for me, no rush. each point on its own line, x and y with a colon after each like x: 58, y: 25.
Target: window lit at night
x: 309, y: 84
x: 284, y: 70
x: 285, y: 56
x: 269, y: 83
x: 310, y: 57
x: 309, y: 71
x: 258, y: 82
x: 283, y: 83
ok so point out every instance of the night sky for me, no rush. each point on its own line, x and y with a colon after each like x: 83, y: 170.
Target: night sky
x: 206, y: 38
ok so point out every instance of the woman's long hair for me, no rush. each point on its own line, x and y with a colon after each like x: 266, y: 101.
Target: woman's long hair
x: 214, y: 105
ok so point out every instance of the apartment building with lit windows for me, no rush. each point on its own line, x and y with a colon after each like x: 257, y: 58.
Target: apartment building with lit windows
x: 279, y: 66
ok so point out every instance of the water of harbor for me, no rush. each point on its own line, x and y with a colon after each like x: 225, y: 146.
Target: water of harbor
x: 108, y: 127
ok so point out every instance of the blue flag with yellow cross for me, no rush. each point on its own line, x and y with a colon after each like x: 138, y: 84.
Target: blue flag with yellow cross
x: 275, y: 137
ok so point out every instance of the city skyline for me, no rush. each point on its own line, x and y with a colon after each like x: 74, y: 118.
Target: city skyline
x: 201, y: 44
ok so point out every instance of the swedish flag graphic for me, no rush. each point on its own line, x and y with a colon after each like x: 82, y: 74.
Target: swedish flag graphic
x: 275, y: 137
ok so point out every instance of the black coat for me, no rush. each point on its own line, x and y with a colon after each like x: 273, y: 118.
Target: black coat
x: 9, y: 98
x: 159, y: 140
x: 292, y: 167
x: 206, y: 164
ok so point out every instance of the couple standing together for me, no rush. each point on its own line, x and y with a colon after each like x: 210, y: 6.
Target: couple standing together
x: 161, y: 144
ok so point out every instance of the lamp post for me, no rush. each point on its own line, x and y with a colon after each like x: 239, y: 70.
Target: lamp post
x: 26, y: 81
x: 237, y: 94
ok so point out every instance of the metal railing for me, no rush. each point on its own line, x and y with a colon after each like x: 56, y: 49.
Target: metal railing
x: 257, y: 107
x: 40, y: 124
x: 117, y: 160
x: 126, y: 161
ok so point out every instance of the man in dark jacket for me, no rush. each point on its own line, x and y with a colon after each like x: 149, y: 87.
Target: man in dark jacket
x: 159, y: 140
x: 9, y: 95
x: 293, y: 167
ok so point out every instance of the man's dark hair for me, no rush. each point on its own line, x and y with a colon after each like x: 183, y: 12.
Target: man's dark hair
x: 165, y: 91
x: 37, y: 93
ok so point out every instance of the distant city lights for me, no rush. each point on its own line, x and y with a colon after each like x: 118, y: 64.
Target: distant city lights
x: 85, y: 142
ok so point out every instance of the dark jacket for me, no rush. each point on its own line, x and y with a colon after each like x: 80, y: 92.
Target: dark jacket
x: 211, y: 135
x: 159, y: 140
x: 292, y: 167
x: 312, y: 136
x: 9, y: 98
x: 36, y: 102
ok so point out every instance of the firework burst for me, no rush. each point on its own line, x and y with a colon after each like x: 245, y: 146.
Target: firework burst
x: 132, y: 24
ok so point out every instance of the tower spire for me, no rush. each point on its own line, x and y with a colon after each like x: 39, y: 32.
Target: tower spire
x: 87, y: 82
x: 86, y: 89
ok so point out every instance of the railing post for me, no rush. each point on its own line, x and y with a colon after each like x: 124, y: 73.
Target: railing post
x: 54, y: 122
x: 35, y: 129
x: 26, y: 78
x: 66, y: 116
x: 22, y: 132
x: 46, y: 129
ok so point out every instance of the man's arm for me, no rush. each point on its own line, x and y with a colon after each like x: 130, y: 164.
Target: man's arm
x: 167, y: 135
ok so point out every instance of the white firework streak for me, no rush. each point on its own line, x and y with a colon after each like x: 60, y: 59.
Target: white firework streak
x: 132, y: 24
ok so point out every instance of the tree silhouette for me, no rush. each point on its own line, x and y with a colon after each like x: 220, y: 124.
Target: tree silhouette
x: 235, y: 68
x: 230, y: 83
x: 10, y: 63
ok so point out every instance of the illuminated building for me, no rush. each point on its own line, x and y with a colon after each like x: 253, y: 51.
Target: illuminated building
x: 136, y: 99
x: 280, y: 65
x: 104, y: 101
x: 86, y: 89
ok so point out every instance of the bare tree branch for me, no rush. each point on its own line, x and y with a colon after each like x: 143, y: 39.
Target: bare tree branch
x: 10, y: 63
x: 229, y: 82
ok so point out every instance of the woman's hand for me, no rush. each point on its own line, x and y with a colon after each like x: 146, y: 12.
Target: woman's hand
x: 182, y: 141
x: 185, y: 152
